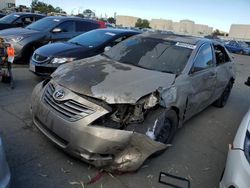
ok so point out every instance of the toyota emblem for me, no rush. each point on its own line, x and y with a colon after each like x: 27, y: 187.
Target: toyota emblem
x: 59, y: 94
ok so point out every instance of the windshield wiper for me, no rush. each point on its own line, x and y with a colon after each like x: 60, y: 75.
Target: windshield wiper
x: 105, y: 55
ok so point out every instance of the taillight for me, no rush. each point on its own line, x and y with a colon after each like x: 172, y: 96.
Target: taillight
x: 101, y: 24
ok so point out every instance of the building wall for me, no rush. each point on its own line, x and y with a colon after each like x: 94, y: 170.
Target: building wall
x: 239, y: 31
x: 4, y: 3
x: 161, y: 24
x: 183, y: 27
x: 186, y: 26
x: 126, y: 21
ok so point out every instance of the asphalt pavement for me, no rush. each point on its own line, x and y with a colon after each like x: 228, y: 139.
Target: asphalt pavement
x: 198, y: 153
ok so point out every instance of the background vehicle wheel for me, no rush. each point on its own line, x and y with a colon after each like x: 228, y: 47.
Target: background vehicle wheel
x: 241, y: 52
x: 166, y: 126
x: 221, y: 102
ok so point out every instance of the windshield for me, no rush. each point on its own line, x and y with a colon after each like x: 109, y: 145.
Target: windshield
x: 9, y: 18
x: 151, y: 53
x: 93, y: 38
x: 45, y: 24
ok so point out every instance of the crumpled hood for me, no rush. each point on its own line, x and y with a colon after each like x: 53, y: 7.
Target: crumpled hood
x: 111, y: 81
x: 17, y: 32
x: 62, y: 49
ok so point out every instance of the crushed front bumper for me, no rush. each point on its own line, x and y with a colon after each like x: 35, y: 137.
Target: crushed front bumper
x: 111, y: 149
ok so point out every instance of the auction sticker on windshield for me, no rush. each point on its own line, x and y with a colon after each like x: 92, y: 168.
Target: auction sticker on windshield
x: 185, y: 45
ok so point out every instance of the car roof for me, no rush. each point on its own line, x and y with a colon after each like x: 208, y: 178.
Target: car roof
x: 178, y: 38
x: 27, y: 13
x: 119, y: 31
x: 65, y: 18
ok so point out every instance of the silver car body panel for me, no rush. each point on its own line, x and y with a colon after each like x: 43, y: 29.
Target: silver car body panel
x: 4, y: 168
x: 80, y: 122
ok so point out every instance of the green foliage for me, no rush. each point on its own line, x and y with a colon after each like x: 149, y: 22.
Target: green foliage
x: 142, y: 23
x: 217, y: 33
x: 42, y: 7
x: 111, y: 20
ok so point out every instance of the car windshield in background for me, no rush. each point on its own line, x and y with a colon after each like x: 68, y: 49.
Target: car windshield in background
x: 45, y: 24
x: 9, y: 18
x: 93, y: 38
x: 153, y: 54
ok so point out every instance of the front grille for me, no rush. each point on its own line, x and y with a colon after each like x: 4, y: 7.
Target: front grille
x: 39, y: 58
x: 69, y: 110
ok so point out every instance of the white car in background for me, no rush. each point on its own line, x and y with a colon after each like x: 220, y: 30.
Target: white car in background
x: 4, y: 168
x: 237, y: 171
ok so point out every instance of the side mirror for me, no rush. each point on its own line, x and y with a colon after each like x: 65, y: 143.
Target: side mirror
x: 107, y: 48
x: 57, y: 30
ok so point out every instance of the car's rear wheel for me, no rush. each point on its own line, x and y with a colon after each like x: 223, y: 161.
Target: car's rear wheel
x: 241, y: 52
x: 221, y: 102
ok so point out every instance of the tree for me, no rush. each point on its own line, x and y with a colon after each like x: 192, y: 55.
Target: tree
x: 42, y: 7
x: 88, y: 13
x: 142, y: 23
x: 217, y: 33
x: 111, y: 20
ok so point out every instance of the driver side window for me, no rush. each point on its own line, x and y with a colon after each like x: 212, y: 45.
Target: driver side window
x: 204, y: 59
x: 66, y: 27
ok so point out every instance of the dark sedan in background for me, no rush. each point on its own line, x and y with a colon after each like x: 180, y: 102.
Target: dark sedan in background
x: 47, y: 58
x: 49, y: 29
x: 19, y: 19
x: 2, y: 15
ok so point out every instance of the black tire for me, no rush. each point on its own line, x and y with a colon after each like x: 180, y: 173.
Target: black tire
x: 221, y: 102
x: 241, y: 52
x: 166, y: 126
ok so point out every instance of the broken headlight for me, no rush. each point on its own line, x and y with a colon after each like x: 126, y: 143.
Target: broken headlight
x: 247, y: 146
x: 151, y: 101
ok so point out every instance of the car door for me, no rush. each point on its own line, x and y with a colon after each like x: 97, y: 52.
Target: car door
x: 202, y: 79
x: 66, y: 31
x: 224, y: 69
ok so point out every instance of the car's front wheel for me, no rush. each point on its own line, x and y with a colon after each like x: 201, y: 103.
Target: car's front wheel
x: 164, y: 124
x: 221, y: 102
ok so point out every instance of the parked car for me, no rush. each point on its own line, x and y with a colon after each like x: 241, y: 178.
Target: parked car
x: 47, y: 58
x: 237, y: 171
x: 238, y: 47
x: 49, y: 29
x: 4, y: 168
x: 19, y: 19
x: 117, y: 108
x: 2, y: 15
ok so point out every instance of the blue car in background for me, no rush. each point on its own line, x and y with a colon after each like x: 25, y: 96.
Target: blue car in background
x: 237, y: 47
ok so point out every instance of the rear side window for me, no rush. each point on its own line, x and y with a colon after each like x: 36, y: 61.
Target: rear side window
x: 67, y: 26
x: 204, y: 58
x: 83, y: 26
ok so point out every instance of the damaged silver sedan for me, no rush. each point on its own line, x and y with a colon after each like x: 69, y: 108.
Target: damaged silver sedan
x: 116, y: 109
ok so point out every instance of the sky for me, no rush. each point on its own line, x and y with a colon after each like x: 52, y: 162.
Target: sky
x: 219, y: 14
